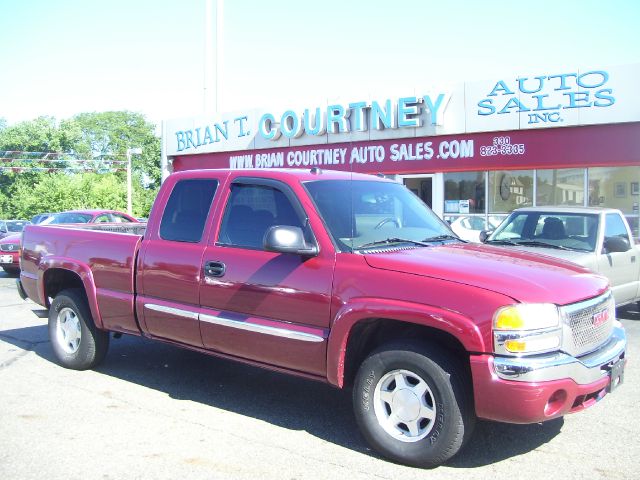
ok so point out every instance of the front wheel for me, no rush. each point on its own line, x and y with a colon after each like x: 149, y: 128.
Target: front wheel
x: 413, y: 404
x: 77, y: 342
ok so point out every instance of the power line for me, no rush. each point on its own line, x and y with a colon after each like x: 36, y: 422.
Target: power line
x: 14, y: 161
x: 61, y: 156
x: 60, y: 169
x: 49, y: 160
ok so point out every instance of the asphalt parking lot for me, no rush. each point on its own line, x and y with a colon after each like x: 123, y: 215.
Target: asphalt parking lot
x: 159, y: 412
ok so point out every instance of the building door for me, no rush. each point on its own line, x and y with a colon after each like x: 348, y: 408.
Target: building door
x: 421, y: 186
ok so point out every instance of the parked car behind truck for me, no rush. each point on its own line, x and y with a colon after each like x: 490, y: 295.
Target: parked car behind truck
x: 594, y: 237
x: 10, y: 227
x: 10, y: 245
x: 344, y: 278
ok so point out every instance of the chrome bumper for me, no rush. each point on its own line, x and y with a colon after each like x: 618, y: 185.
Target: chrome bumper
x: 559, y: 365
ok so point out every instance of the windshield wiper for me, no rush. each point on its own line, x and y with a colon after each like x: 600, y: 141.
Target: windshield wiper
x: 537, y: 243
x: 502, y: 242
x: 439, y: 238
x: 391, y: 240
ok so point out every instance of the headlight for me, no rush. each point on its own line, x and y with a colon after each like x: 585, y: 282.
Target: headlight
x: 527, y: 328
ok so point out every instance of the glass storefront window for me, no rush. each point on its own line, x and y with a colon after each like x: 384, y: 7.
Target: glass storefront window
x: 616, y: 187
x: 464, y: 192
x: 560, y: 187
x: 468, y: 227
x: 510, y: 189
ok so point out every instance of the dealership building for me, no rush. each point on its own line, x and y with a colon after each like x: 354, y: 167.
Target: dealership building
x: 477, y: 149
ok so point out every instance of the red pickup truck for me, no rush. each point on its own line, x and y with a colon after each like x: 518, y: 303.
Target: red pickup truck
x: 345, y: 278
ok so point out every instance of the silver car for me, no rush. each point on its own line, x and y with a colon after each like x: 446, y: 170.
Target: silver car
x: 594, y: 237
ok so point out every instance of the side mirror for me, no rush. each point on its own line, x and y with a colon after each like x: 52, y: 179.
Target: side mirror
x: 616, y: 244
x: 485, y: 234
x: 288, y: 239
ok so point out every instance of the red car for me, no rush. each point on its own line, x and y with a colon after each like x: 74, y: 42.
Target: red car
x: 10, y: 253
x: 89, y: 216
x: 10, y: 245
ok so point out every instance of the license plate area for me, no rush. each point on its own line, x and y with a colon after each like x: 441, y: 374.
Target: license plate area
x: 616, y: 375
x: 6, y: 259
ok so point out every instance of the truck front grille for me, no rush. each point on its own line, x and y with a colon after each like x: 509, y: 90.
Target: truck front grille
x: 9, y: 247
x: 588, y: 324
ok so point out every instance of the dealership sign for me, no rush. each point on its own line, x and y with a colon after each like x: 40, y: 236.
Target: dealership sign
x: 544, y: 98
x: 572, y: 97
x: 595, y: 145
x: 359, y: 116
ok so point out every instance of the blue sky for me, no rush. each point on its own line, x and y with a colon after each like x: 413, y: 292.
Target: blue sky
x: 64, y: 57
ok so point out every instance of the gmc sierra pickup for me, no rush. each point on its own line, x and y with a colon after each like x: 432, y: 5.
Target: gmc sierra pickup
x: 345, y: 278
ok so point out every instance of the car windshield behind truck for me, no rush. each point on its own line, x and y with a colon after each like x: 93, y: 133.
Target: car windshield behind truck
x: 574, y: 231
x: 362, y: 214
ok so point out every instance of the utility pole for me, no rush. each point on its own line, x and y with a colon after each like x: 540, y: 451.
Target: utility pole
x: 212, y: 58
x: 130, y: 151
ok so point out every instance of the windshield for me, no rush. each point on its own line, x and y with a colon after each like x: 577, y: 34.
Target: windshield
x: 67, y: 217
x: 574, y: 231
x: 360, y: 214
x: 16, y: 226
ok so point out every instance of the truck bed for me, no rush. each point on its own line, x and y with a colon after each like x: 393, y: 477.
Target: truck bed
x: 106, y: 252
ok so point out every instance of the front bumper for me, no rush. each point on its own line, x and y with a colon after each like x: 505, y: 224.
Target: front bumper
x: 539, y: 388
x: 15, y: 259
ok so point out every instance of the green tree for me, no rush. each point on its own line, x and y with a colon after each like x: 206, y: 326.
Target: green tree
x: 39, y: 135
x: 102, y: 137
x: 111, y: 134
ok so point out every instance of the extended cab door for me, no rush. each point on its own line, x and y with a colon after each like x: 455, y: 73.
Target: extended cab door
x: 622, y: 268
x: 170, y: 260
x: 268, y: 307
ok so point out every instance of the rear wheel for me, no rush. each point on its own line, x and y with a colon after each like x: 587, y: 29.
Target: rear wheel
x: 413, y: 403
x: 77, y: 342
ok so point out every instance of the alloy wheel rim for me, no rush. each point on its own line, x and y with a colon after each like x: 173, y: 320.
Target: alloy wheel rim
x: 404, y: 405
x: 68, y: 331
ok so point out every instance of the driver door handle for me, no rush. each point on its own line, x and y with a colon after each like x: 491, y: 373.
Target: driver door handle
x: 214, y: 269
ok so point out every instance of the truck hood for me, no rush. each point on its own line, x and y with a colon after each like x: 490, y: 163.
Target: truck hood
x: 585, y: 259
x: 520, y: 275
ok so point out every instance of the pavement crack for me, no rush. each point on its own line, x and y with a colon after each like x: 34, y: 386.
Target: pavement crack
x: 30, y: 344
x: 14, y: 359
x: 27, y: 346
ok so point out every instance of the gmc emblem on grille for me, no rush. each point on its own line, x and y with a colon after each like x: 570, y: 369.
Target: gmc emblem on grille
x: 600, y: 318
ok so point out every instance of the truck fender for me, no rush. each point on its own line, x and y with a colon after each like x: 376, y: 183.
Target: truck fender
x: 81, y: 270
x: 460, y: 327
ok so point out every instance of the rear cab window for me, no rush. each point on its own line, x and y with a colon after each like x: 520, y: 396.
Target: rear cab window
x: 185, y: 214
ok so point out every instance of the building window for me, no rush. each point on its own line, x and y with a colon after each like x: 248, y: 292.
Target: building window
x: 616, y: 187
x: 464, y: 192
x: 510, y: 189
x: 560, y: 187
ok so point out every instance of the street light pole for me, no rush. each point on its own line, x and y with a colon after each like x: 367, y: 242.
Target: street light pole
x: 130, y: 151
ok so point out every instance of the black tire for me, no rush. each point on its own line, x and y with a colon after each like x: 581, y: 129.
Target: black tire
x: 396, y: 434
x: 76, y: 341
x: 11, y: 271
